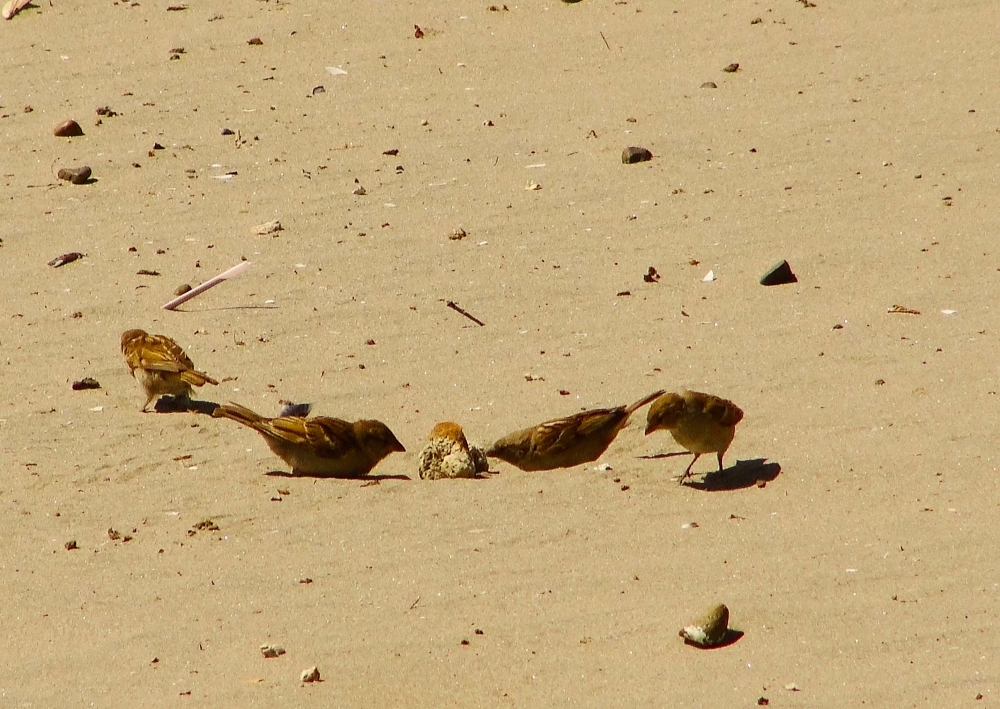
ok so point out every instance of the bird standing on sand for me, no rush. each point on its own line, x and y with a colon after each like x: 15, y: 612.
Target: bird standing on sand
x: 320, y: 446
x: 563, y: 443
x: 702, y: 423
x: 160, y: 365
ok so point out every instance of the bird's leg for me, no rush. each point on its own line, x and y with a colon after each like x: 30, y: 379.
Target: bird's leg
x: 687, y: 473
x: 720, y: 462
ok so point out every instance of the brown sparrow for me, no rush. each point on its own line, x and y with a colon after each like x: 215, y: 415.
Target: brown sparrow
x: 702, y: 423
x: 448, y: 455
x: 320, y: 446
x: 160, y: 365
x: 563, y: 443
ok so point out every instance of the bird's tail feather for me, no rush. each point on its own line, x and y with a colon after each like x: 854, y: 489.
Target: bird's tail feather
x: 239, y: 414
x: 197, y: 378
x: 643, y: 401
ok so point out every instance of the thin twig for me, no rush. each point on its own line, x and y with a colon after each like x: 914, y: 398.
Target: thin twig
x: 414, y: 604
x: 605, y: 40
x: 458, y: 309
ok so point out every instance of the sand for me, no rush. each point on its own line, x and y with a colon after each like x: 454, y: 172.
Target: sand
x: 853, y: 534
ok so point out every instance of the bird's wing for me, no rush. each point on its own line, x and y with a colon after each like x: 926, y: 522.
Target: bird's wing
x: 556, y: 436
x: 328, y: 437
x: 723, y: 411
x: 158, y: 353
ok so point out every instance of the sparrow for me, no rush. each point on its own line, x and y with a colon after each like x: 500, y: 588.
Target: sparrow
x: 447, y: 454
x: 702, y: 423
x: 563, y: 443
x: 321, y: 446
x: 160, y: 365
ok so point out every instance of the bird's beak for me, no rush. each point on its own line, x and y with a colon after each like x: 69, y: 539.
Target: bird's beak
x: 650, y: 428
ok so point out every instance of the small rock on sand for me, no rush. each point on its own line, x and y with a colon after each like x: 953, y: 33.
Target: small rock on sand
x: 271, y: 227
x: 708, y: 630
x: 779, y: 274
x: 86, y: 383
x: 68, y: 129
x: 634, y: 155
x: 76, y: 175
x: 272, y: 650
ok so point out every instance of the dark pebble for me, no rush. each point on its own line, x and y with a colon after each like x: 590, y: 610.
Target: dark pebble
x: 731, y: 68
x: 182, y: 289
x: 68, y: 129
x: 633, y: 155
x: 779, y: 274
x: 76, y: 175
x: 709, y: 85
x: 86, y: 383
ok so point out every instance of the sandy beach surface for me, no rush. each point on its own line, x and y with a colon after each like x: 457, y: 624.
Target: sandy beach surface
x: 854, y: 532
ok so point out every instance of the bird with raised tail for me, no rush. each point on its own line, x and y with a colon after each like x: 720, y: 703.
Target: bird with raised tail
x: 701, y: 423
x: 565, y: 442
x: 160, y: 366
x: 320, y: 446
x: 448, y: 454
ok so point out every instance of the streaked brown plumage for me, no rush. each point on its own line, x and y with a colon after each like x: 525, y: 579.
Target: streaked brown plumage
x: 320, y: 446
x: 160, y: 365
x: 448, y: 454
x: 563, y: 443
x: 702, y: 423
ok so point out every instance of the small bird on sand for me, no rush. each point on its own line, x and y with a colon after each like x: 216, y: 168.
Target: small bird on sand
x: 160, y: 365
x: 320, y: 446
x: 447, y: 454
x: 702, y: 423
x: 563, y: 443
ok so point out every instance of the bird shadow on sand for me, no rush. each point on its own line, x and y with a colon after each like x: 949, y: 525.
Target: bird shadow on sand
x: 746, y: 473
x: 179, y: 405
x: 367, y: 479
